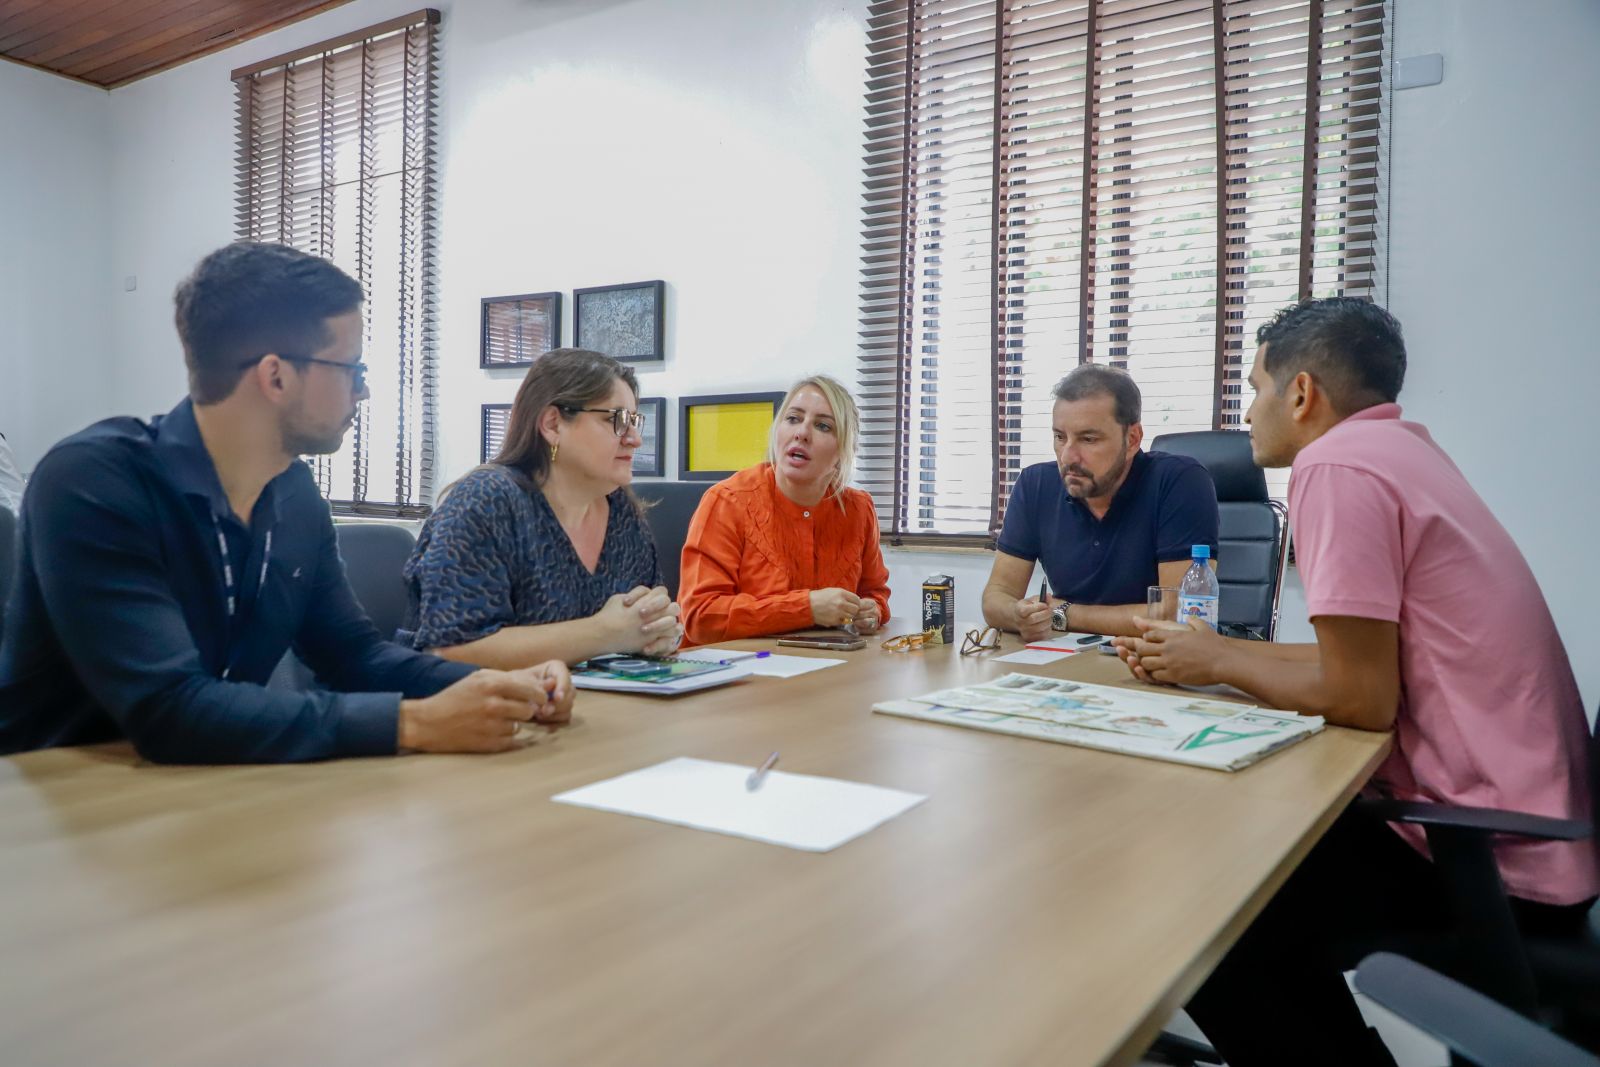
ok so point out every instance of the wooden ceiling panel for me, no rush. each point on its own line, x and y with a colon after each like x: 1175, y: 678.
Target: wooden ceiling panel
x: 129, y: 17
x: 113, y: 42
x: 26, y: 21
x: 148, y: 36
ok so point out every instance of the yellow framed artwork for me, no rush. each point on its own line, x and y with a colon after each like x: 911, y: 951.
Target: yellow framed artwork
x: 721, y: 434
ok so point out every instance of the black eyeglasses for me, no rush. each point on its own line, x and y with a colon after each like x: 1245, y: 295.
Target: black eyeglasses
x: 622, y: 420
x: 358, y: 370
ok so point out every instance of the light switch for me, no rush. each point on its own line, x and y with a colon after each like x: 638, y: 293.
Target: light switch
x: 1413, y: 72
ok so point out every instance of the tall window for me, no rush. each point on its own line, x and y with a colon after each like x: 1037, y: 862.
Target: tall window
x: 335, y: 157
x: 1132, y: 182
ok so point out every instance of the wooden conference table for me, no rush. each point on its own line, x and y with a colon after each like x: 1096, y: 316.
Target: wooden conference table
x: 1046, y: 904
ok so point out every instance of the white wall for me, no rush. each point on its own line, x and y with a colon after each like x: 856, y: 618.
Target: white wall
x: 714, y: 145
x: 1495, y: 220
x: 594, y: 141
x: 55, y: 278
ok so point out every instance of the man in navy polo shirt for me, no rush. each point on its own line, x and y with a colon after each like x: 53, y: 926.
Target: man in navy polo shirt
x: 165, y: 567
x: 1106, y: 520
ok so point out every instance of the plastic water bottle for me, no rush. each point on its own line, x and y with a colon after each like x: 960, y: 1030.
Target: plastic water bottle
x: 1197, y: 596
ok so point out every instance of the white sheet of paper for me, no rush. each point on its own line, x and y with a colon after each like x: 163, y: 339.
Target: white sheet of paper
x: 774, y: 666
x: 1068, y: 642
x: 1035, y: 656
x: 794, y: 810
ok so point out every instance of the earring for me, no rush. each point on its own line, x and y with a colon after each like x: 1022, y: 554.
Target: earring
x: 555, y: 449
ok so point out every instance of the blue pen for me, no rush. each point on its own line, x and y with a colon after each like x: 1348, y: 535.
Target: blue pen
x: 749, y: 655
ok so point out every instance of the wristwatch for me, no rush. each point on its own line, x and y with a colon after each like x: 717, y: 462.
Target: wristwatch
x: 1058, y: 617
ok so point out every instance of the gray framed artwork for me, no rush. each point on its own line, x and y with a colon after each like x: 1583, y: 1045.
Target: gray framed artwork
x: 516, y: 330
x: 625, y: 322
x: 647, y: 459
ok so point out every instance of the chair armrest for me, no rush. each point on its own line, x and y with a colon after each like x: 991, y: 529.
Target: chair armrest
x: 1489, y: 820
x: 1482, y: 1030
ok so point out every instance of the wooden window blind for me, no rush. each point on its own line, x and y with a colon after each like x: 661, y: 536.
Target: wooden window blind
x: 335, y: 157
x: 1133, y: 182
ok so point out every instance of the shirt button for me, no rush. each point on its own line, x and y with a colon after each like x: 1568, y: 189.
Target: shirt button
x: 1097, y: 544
x: 807, y: 514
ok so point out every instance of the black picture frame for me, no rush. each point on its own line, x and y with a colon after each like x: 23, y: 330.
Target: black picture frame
x: 519, y: 312
x: 686, y: 404
x: 492, y: 424
x: 645, y: 340
x: 652, y: 464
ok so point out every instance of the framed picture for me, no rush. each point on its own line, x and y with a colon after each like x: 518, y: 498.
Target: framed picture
x: 516, y: 330
x: 649, y: 460
x: 622, y: 321
x: 496, y: 417
x: 719, y: 435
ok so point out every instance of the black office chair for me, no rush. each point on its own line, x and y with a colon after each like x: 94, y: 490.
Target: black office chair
x: 1555, y: 981
x: 1253, y: 541
x: 668, y: 508
x: 374, y: 555
x: 8, y: 560
x: 1477, y: 1030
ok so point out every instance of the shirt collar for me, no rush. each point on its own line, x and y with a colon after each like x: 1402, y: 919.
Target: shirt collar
x: 1376, y: 411
x: 182, y: 452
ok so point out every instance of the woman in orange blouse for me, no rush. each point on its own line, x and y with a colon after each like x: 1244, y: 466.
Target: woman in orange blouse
x: 787, y: 545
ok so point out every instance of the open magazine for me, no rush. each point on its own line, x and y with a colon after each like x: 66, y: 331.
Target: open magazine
x: 1179, y: 727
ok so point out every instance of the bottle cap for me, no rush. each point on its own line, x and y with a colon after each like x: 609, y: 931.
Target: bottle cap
x: 1200, y: 552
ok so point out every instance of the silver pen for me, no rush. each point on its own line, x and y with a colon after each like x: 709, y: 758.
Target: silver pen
x: 759, y: 775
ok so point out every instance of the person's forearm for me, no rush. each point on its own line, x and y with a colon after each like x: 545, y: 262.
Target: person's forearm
x: 1113, y: 619
x: 1000, y: 610
x: 388, y: 668
x: 514, y: 647
x: 711, y: 617
x: 206, y: 720
x: 1290, y: 683
x: 1280, y: 653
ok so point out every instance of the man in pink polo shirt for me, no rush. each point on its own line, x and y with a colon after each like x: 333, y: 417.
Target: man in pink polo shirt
x: 1429, y: 623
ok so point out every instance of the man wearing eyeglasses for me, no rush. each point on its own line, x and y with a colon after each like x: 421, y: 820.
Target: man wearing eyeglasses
x: 165, y: 567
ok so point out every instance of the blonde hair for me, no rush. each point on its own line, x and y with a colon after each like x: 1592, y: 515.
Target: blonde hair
x: 846, y: 426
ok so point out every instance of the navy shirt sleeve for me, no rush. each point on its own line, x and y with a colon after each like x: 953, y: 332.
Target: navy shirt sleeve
x: 461, y: 570
x: 94, y: 537
x: 1019, y: 533
x: 1187, y: 515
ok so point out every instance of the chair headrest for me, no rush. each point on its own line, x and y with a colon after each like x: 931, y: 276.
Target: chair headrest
x: 1226, y: 455
x: 363, y: 537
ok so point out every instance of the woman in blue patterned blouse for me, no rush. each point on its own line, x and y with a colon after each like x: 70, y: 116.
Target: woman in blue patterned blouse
x: 543, y: 553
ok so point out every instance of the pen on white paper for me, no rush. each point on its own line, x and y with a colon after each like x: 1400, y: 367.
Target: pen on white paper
x: 798, y: 811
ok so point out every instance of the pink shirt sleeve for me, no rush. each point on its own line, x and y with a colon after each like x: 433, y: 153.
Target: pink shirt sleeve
x: 1347, y: 542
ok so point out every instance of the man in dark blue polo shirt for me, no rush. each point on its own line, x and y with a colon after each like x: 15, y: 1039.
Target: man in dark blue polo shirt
x: 1106, y: 520
x: 165, y: 567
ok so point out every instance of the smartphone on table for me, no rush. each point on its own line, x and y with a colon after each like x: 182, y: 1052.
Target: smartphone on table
x: 840, y: 642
